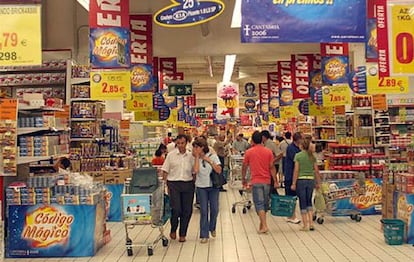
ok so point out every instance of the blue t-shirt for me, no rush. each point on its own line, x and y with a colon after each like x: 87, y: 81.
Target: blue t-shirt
x: 289, y: 162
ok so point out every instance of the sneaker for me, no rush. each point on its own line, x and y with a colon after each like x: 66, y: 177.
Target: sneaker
x: 311, y: 228
x: 293, y: 221
x: 204, y: 240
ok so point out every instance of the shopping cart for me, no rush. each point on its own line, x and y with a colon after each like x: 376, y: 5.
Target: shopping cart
x: 337, y: 185
x: 144, y: 203
x: 245, y: 199
x: 235, y: 165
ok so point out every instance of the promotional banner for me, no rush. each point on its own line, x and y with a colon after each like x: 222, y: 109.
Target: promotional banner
x: 167, y: 70
x: 141, y: 101
x: 109, y: 47
x: 8, y: 136
x: 110, y: 85
x: 382, y: 38
x: 114, y: 197
x: 108, y: 13
x: 402, y: 39
x: 170, y: 101
x: 334, y: 49
x: 300, y: 75
x: 141, y: 39
x: 227, y: 100
x: 283, y: 21
x: 264, y: 98
x: 336, y: 95
x: 288, y: 112
x: 385, y: 85
x: 248, y: 98
x: 316, y: 110
x: 284, y: 71
x: 191, y: 100
x: 142, y: 79
x: 55, y: 230
x: 20, y: 35
x: 273, y: 86
x: 335, y: 69
x: 188, y: 13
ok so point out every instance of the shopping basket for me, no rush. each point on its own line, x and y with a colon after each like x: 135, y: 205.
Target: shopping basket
x: 282, y: 206
x: 393, y: 231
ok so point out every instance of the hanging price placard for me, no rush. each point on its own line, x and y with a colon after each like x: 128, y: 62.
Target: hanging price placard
x: 20, y: 35
x: 316, y: 110
x: 385, y: 85
x: 336, y: 95
x: 141, y: 101
x: 147, y: 116
x: 110, y: 85
x: 402, y: 39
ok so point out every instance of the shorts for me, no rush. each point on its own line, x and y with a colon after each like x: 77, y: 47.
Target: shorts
x: 261, y: 196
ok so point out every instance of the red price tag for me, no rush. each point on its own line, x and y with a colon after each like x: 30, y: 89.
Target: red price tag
x: 110, y: 89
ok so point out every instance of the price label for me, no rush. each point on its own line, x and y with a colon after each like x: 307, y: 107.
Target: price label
x: 336, y: 95
x: 287, y: 112
x: 20, y: 31
x: 316, y: 110
x: 141, y: 101
x: 110, y: 85
x: 385, y: 85
x: 402, y: 39
x: 146, y: 116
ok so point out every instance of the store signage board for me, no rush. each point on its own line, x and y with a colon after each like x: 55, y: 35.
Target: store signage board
x: 199, y: 110
x: 20, y: 35
x: 146, y: 116
x: 141, y: 39
x: 141, y: 101
x: 316, y: 110
x: 379, y: 102
x: 110, y: 85
x: 8, y: 147
x: 385, y: 85
x: 109, y: 13
x: 183, y: 13
x: 180, y: 90
x: 336, y: 95
x: 268, y: 21
x: 401, y: 49
x: 142, y: 79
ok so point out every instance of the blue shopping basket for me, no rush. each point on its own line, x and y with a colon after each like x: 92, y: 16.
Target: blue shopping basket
x: 282, y: 206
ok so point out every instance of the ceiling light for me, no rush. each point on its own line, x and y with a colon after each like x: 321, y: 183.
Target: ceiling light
x: 236, y: 19
x: 85, y: 4
x: 228, y: 68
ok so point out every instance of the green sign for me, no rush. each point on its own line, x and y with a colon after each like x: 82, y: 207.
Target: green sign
x: 199, y: 110
x: 180, y: 90
x: 203, y: 116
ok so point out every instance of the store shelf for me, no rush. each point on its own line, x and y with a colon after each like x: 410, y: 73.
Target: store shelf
x: 324, y: 126
x: 75, y: 81
x: 29, y: 159
x: 80, y: 139
x: 23, y: 107
x: 324, y: 140
x: 29, y: 130
x: 84, y: 119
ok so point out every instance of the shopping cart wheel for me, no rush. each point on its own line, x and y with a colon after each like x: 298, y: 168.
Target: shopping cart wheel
x: 244, y: 210
x: 129, y: 251
x: 358, y: 218
x: 233, y: 209
x: 164, y: 242
x: 150, y: 251
x: 314, y: 217
x: 320, y: 220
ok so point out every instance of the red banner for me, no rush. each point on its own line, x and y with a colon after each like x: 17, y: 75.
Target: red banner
x: 263, y: 97
x: 382, y: 38
x: 190, y: 100
x: 300, y: 75
x: 168, y: 69
x: 109, y: 13
x: 284, y: 70
x: 141, y: 39
x: 273, y: 88
x: 334, y: 49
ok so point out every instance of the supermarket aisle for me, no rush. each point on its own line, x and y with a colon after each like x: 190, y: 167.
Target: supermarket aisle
x: 338, y: 239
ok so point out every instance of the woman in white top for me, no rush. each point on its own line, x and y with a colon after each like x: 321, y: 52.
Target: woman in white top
x: 208, y: 196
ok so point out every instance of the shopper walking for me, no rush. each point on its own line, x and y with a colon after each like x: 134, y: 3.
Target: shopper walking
x: 220, y: 148
x: 288, y: 167
x: 283, y: 145
x: 178, y: 171
x: 240, y: 145
x: 305, y: 175
x: 208, y: 196
x: 262, y: 168
x: 268, y: 142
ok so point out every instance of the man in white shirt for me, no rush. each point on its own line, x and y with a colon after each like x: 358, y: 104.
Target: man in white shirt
x: 283, y: 147
x: 178, y: 171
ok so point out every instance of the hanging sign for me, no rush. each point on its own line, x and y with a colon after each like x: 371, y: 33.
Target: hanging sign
x: 316, y: 110
x: 273, y: 88
x: 300, y: 75
x: 140, y: 102
x: 336, y: 95
x: 180, y: 89
x: 402, y: 39
x: 142, y: 79
x: 146, y: 116
x: 141, y: 39
x: 385, y: 85
x: 20, y: 35
x: 382, y: 38
x: 182, y: 13
x: 227, y: 100
x: 285, y: 83
x: 287, y: 112
x: 335, y: 69
x: 110, y: 85
x: 264, y: 98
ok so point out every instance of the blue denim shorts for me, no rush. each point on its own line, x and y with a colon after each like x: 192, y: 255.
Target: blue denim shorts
x: 261, y: 196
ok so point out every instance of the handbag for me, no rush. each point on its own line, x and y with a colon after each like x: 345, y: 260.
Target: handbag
x: 217, y: 179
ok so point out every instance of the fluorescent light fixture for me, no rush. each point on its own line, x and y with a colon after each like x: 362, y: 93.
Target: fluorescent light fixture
x: 85, y: 4
x: 236, y: 19
x: 228, y: 67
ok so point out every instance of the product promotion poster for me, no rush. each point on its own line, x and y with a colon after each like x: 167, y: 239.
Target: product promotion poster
x: 142, y: 79
x: 55, y: 230
x: 404, y: 210
x: 110, y: 84
x: 113, y: 198
x: 269, y: 21
x: 335, y: 69
x: 227, y: 100
x: 110, y: 47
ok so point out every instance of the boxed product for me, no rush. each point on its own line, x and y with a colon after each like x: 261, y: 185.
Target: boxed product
x: 403, y: 209
x: 137, y: 207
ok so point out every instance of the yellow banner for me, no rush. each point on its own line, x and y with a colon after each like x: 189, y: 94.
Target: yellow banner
x: 20, y: 35
x: 385, y: 85
x: 336, y: 95
x: 315, y: 110
x: 402, y: 39
x: 172, y: 119
x: 141, y: 101
x: 287, y: 112
x: 110, y: 85
x: 147, y: 116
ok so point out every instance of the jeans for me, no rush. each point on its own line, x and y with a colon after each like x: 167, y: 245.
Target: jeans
x: 304, y: 190
x: 261, y: 196
x: 209, y: 199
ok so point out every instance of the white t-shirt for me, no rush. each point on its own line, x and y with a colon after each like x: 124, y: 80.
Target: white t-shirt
x: 284, y: 145
x: 179, y: 166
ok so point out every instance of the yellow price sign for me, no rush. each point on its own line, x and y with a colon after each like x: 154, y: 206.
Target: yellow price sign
x: 20, y: 35
x: 287, y: 112
x: 385, y: 85
x: 146, y: 116
x: 316, y: 110
x: 402, y: 39
x: 336, y: 95
x: 110, y: 85
x: 141, y: 101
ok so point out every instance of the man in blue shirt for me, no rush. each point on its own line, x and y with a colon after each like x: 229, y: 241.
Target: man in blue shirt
x: 288, y: 167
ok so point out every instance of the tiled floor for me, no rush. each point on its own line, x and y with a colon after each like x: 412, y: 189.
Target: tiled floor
x: 338, y: 239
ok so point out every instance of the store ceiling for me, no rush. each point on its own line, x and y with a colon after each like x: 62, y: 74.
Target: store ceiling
x: 193, y: 50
